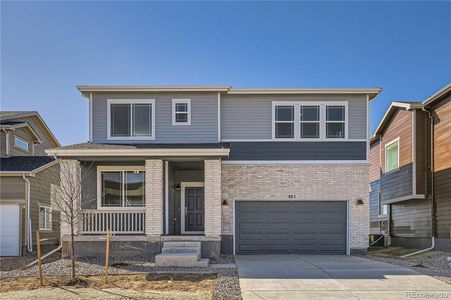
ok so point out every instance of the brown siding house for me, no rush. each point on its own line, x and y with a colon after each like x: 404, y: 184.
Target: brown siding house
x: 410, y: 183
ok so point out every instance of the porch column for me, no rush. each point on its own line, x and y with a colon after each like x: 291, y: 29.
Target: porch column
x: 154, y: 197
x: 212, y: 175
x: 70, y: 184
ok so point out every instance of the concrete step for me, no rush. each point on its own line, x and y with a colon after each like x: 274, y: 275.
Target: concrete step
x: 180, y: 260
x: 182, y: 244
x: 181, y: 250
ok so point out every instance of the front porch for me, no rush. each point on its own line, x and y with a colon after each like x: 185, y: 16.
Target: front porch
x: 145, y: 203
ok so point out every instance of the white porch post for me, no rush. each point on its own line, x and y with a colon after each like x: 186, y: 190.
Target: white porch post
x: 212, y: 175
x: 70, y: 176
x: 154, y: 197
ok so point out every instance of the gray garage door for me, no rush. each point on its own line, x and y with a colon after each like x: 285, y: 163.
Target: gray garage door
x: 311, y: 227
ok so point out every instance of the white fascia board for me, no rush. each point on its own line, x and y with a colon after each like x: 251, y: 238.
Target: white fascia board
x: 138, y: 152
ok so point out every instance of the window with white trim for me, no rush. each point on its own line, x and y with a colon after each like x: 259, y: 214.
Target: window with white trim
x: 335, y: 121
x: 131, y: 119
x: 45, y: 218
x: 21, y: 144
x: 310, y: 120
x: 181, y: 111
x: 392, y: 156
x: 122, y: 188
x: 284, y: 121
x: 383, y: 208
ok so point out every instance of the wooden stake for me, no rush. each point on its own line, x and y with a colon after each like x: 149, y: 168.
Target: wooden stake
x: 107, y: 254
x: 38, y: 240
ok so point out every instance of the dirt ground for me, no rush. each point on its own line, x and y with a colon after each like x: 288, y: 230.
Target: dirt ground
x: 432, y: 263
x: 192, y: 283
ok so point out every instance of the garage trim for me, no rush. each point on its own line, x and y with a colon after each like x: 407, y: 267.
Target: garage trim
x: 348, y: 217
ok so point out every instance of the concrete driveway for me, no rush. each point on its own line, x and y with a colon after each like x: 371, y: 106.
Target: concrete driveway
x: 332, y: 277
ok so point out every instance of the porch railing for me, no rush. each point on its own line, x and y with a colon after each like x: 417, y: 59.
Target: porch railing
x: 118, y: 221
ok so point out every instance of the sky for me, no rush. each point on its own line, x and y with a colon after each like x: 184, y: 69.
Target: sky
x: 47, y: 48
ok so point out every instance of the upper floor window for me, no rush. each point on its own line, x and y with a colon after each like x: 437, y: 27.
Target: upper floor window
x: 131, y: 119
x: 121, y: 187
x: 392, y: 155
x: 284, y: 122
x: 335, y: 121
x: 21, y: 143
x: 309, y: 120
x: 181, y: 111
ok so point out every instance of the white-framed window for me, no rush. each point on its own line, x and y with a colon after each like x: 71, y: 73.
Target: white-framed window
x: 119, y: 187
x: 335, y: 121
x: 45, y: 218
x: 383, y: 208
x: 284, y: 121
x: 21, y: 144
x: 131, y: 119
x: 310, y: 120
x: 392, y: 155
x: 181, y: 111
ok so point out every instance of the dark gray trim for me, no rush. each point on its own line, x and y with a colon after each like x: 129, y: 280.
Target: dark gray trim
x: 298, y: 151
x: 397, y: 183
x: 415, y: 243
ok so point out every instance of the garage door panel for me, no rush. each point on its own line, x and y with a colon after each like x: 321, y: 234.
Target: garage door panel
x: 9, y: 230
x: 291, y: 227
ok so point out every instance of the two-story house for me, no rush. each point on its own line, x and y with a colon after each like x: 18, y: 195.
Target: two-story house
x: 27, y: 178
x: 238, y: 170
x: 410, y: 177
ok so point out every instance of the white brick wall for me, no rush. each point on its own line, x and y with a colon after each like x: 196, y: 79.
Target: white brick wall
x: 212, y: 197
x: 70, y: 175
x: 154, y: 197
x: 306, y: 182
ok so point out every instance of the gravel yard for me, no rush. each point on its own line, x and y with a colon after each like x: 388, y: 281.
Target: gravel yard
x: 226, y: 285
x: 433, y: 263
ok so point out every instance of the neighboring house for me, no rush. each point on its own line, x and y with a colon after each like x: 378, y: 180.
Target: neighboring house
x: 239, y: 170
x: 27, y: 177
x: 410, y: 173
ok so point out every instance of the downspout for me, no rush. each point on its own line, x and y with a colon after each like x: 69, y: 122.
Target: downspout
x: 431, y: 118
x: 29, y: 234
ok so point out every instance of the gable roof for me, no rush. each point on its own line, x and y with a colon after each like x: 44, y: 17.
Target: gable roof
x: 25, y: 164
x: 20, y: 124
x: 371, y: 92
x: 408, y: 105
x: 8, y: 117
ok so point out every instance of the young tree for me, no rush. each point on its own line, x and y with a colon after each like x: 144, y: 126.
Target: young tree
x: 68, y: 197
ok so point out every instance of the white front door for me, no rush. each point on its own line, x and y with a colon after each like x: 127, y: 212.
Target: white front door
x: 9, y: 230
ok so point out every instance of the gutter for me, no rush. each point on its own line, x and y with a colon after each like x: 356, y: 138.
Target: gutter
x: 421, y: 251
x: 29, y: 235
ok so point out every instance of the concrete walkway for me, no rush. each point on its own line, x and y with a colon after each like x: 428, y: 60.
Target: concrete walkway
x: 332, y: 277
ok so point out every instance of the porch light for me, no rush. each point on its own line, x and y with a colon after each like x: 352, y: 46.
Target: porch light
x: 177, y: 187
x: 359, y: 202
x: 224, y: 203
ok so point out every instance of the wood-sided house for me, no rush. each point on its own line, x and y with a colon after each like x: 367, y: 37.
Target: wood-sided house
x: 410, y: 173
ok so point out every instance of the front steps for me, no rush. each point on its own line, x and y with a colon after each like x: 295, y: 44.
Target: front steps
x: 181, y: 254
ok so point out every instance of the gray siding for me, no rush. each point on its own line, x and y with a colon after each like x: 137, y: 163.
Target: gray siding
x: 204, y: 118
x: 2, y: 144
x: 374, y: 200
x: 12, y: 188
x: 411, y: 219
x: 250, y: 117
x: 298, y: 151
x: 41, y: 194
x: 396, y: 184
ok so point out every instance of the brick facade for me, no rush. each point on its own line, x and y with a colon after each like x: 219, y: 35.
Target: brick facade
x: 212, y: 171
x: 154, y: 197
x: 305, y: 182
